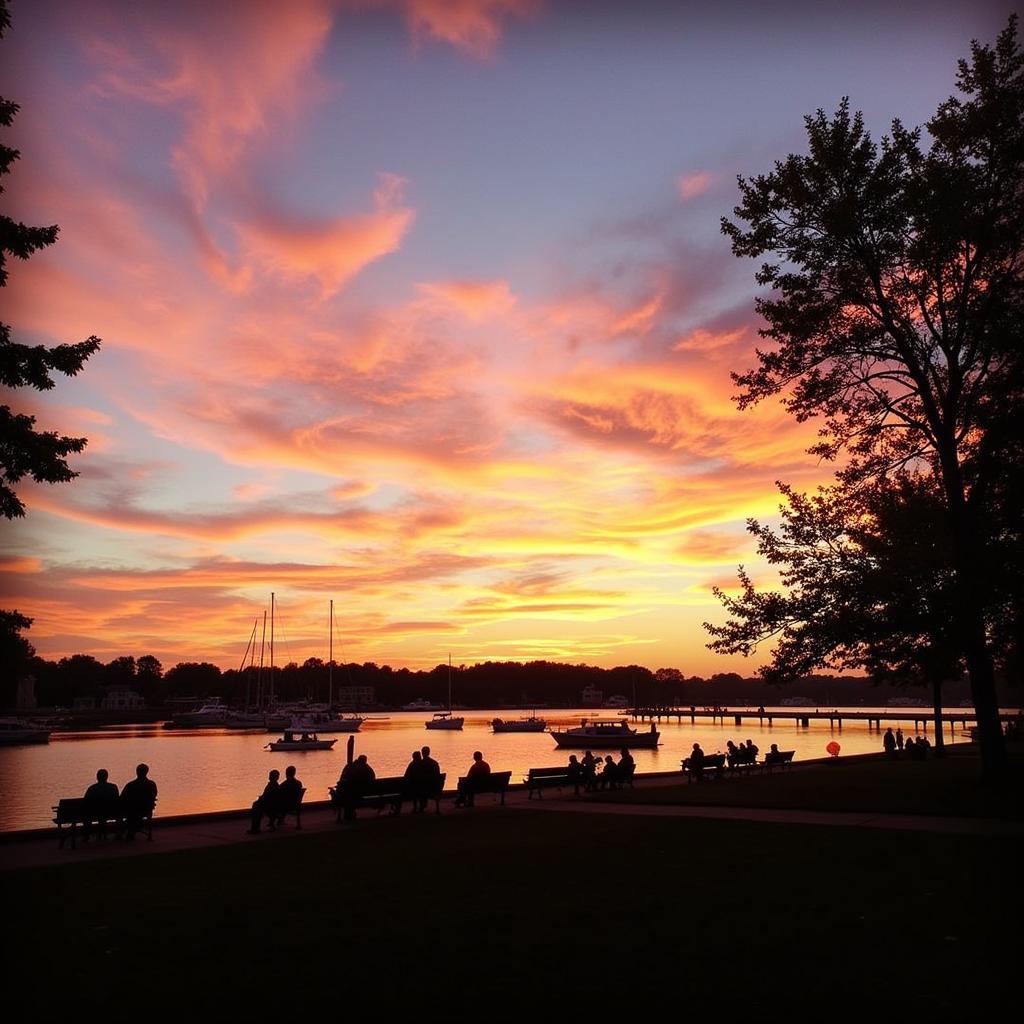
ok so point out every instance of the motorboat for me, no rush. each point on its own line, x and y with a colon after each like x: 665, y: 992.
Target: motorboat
x: 618, y: 701
x: 215, y: 715
x: 298, y: 740
x: 606, y: 734
x: 16, y: 730
x: 445, y: 720
x: 531, y: 724
x: 420, y: 704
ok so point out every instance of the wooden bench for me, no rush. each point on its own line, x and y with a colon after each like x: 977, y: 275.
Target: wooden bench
x: 385, y: 792
x: 70, y: 813
x: 713, y: 765
x: 539, y: 779
x: 781, y: 759
x: 495, y: 782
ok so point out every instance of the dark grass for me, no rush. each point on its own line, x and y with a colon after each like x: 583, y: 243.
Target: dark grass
x: 949, y: 787
x: 507, y: 914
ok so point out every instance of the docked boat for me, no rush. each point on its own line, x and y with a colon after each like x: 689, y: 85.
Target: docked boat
x: 296, y: 740
x: 531, y: 724
x: 420, y: 704
x: 445, y: 719
x: 618, y: 701
x: 16, y: 730
x: 606, y: 734
x: 216, y: 715
x: 325, y: 721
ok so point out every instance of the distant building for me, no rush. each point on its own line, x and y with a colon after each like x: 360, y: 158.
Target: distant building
x: 352, y: 697
x: 120, y: 698
x: 25, y: 699
x: 592, y: 697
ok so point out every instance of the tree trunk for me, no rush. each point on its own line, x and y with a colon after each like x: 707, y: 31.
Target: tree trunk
x: 970, y: 619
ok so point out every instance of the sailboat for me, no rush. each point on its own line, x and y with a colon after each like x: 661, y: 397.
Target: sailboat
x: 445, y: 719
x: 324, y: 719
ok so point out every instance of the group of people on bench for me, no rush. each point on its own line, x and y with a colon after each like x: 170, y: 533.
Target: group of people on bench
x: 592, y: 773
x: 277, y: 800
x: 744, y: 753
x: 127, y: 809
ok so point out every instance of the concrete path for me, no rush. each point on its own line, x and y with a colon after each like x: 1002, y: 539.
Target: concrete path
x: 39, y: 847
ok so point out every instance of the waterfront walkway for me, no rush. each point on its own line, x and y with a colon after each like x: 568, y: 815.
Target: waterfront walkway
x: 38, y: 848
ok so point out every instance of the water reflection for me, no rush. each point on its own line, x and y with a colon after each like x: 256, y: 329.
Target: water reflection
x: 218, y: 769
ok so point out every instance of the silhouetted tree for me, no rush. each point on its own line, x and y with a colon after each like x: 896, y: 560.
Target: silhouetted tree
x: 25, y: 451
x: 15, y: 654
x: 896, y: 309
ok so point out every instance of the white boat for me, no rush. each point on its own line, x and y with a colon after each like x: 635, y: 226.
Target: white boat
x: 16, y: 730
x: 906, y: 702
x: 215, y: 715
x: 297, y: 740
x: 445, y: 719
x: 326, y: 721
x: 606, y: 734
x: 420, y: 704
x: 531, y: 724
x: 797, y: 702
x: 618, y: 701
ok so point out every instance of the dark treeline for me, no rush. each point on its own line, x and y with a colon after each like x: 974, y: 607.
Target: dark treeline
x: 490, y: 684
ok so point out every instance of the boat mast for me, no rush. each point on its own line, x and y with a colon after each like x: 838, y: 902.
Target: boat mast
x: 271, y: 701
x: 449, y: 682
x: 251, y: 647
x: 330, y: 662
x: 259, y: 674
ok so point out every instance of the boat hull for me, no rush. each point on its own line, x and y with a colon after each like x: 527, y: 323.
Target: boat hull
x: 279, y: 745
x: 581, y: 741
x: 535, y: 725
x: 452, y: 724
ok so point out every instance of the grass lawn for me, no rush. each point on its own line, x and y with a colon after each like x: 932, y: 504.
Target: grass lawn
x: 946, y: 786
x: 508, y: 914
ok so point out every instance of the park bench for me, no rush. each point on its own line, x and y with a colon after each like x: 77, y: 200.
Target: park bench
x: 69, y: 814
x: 714, y: 765
x: 539, y: 779
x: 495, y: 782
x: 781, y: 759
x: 295, y: 807
x: 385, y: 792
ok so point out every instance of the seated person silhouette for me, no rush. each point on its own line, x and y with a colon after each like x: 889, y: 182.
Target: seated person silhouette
x: 266, y: 804
x: 589, y: 770
x: 356, y: 779
x: 774, y: 755
x: 696, y: 763
x: 432, y: 779
x: 138, y: 798
x: 626, y: 766
x: 289, y: 796
x: 103, y: 804
x: 609, y: 773
x: 575, y: 773
x: 478, y: 771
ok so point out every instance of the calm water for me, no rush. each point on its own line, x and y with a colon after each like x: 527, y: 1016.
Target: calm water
x: 213, y: 770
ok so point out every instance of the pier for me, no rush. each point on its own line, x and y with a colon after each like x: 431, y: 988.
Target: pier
x: 919, y: 717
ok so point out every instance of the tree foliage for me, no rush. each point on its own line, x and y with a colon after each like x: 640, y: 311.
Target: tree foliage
x: 895, y: 309
x: 24, y: 450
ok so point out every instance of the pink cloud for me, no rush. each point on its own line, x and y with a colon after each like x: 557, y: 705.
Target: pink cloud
x: 692, y: 185
x: 474, y: 26
x: 330, y: 252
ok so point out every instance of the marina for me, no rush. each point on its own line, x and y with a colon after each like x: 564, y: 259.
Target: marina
x: 216, y: 769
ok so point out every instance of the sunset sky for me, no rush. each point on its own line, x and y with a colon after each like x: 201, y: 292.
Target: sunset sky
x: 419, y: 305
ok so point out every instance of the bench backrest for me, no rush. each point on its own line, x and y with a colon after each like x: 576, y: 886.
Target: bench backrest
x: 70, y: 810
x: 779, y: 757
x: 495, y: 781
x: 547, y: 773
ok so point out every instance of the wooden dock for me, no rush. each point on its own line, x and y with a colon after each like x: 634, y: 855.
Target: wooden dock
x: 920, y: 717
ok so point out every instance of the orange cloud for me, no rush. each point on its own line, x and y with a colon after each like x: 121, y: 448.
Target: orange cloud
x: 475, y: 300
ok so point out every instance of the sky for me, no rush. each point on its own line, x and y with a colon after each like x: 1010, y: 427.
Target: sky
x: 419, y: 306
